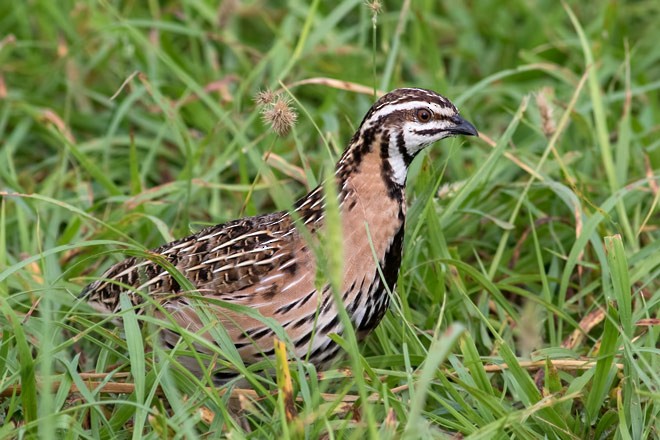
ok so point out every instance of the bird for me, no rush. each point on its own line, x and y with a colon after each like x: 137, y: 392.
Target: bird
x: 268, y: 263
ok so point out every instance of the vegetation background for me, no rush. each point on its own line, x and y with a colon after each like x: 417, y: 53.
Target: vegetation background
x: 527, y: 305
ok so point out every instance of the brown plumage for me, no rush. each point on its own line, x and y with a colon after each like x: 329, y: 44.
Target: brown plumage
x: 265, y: 262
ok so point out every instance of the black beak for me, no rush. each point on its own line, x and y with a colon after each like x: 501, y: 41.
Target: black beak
x: 461, y: 126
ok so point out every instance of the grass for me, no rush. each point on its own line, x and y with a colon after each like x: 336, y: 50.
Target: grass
x: 528, y: 300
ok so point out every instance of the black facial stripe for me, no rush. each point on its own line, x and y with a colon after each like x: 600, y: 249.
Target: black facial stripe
x: 428, y: 132
x: 401, y: 145
x: 394, y: 190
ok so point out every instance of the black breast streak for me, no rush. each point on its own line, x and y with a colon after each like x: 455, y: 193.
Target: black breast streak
x: 329, y: 326
x: 392, y: 260
x: 325, y: 305
x: 320, y: 351
x: 356, y: 302
x: 329, y: 353
x: 258, y: 333
x: 303, y: 340
x: 344, y: 297
x: 390, y: 267
x: 304, y: 320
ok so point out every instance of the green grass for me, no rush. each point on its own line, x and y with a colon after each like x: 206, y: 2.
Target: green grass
x: 126, y: 124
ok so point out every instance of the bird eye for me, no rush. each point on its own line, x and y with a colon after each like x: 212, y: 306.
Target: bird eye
x: 424, y: 115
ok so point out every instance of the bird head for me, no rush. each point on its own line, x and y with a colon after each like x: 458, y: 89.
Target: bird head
x: 407, y: 120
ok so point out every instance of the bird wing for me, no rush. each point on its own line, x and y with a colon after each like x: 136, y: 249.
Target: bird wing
x: 261, y: 262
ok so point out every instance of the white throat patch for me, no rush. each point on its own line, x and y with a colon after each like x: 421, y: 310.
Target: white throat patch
x: 397, y: 162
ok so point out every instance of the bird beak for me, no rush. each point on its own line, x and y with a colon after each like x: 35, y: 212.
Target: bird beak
x: 461, y: 126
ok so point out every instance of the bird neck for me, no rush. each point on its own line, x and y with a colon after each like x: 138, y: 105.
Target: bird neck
x: 372, y: 207
x: 370, y: 176
x: 375, y: 154
x: 371, y: 188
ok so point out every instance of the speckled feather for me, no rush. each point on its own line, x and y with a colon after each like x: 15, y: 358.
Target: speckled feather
x: 264, y: 262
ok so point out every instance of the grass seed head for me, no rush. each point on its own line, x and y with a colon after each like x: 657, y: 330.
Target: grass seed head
x: 280, y: 115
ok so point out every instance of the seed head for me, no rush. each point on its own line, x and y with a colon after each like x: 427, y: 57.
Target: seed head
x: 265, y: 97
x: 280, y: 115
x: 545, y: 109
x: 375, y: 6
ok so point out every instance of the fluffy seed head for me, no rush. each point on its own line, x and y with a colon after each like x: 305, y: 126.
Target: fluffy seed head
x: 375, y: 6
x: 545, y: 109
x: 265, y: 97
x: 277, y: 112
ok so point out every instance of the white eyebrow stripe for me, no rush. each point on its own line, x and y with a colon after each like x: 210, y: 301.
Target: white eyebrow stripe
x: 410, y: 105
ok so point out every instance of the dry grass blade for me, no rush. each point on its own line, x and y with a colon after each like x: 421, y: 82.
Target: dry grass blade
x: 51, y: 117
x: 278, y: 162
x: 123, y: 85
x: 587, y: 323
x: 511, y: 157
x: 560, y: 364
x: 337, y: 84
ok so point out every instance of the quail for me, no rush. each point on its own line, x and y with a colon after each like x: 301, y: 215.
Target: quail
x: 267, y: 263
